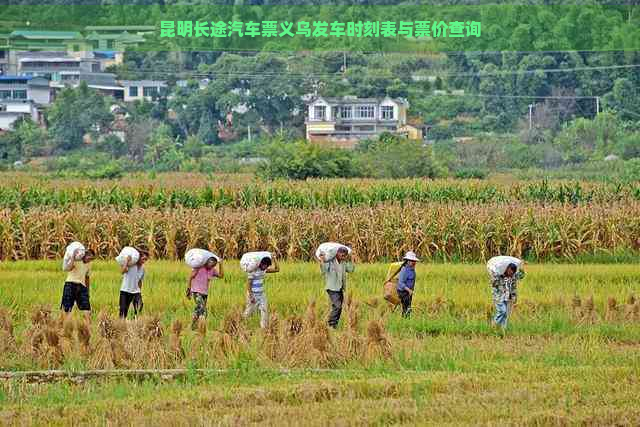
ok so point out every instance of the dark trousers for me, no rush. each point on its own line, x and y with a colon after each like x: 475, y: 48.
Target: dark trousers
x: 405, y: 299
x: 336, y: 298
x: 126, y: 299
x: 75, y: 293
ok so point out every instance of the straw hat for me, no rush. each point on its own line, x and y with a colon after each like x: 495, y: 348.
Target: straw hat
x: 411, y: 256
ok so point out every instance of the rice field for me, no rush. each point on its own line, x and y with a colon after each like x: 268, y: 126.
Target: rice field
x: 569, y: 356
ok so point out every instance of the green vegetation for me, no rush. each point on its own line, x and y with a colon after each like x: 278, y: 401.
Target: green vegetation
x: 141, y: 192
x: 568, y: 350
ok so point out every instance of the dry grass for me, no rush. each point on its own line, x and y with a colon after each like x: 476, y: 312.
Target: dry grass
x: 111, y: 343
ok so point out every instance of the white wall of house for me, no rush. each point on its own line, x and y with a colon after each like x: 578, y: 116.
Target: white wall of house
x: 7, y: 119
x: 12, y: 111
x: 389, y: 103
x: 320, y: 103
x: 138, y: 91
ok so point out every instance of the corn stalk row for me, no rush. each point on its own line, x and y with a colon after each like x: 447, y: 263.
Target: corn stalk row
x: 436, y: 231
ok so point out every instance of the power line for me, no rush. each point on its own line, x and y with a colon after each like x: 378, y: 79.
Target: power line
x: 333, y: 75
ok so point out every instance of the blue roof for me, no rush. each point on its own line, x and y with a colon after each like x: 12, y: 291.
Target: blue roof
x: 15, y: 78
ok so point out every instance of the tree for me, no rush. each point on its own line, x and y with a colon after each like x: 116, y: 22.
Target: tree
x: 76, y: 112
x: 30, y: 138
x: 196, y: 112
x: 162, y: 152
x: 623, y: 99
x: 137, y: 136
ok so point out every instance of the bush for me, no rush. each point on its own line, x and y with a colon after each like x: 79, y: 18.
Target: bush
x: 631, y: 170
x: 84, y: 164
x: 111, y: 144
x: 629, y: 146
x: 110, y: 170
x: 394, y: 157
x: 302, y: 160
x: 471, y: 173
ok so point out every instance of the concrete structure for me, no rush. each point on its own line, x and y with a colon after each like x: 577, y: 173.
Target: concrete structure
x: 348, y: 120
x: 105, y: 83
x: 137, y: 90
x: 20, y: 88
x: 51, y: 64
x: 11, y: 110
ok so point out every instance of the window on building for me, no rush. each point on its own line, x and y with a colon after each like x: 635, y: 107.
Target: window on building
x: 5, y: 94
x: 365, y: 112
x: 133, y: 91
x: 365, y: 128
x: 346, y: 112
x: 3, y: 54
x: 387, y: 112
x: 95, y: 44
x: 95, y: 68
x: 150, y: 91
x: 320, y: 112
x: 110, y: 44
x: 19, y: 94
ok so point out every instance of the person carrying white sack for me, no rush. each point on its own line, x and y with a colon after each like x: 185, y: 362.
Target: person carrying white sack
x: 131, y: 262
x: 205, y: 266
x: 504, y: 272
x: 256, y: 297
x: 334, y: 265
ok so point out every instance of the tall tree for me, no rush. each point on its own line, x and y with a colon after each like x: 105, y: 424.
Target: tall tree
x: 77, y: 112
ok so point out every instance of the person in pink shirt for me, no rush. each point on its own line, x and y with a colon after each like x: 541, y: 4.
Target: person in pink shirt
x: 198, y: 287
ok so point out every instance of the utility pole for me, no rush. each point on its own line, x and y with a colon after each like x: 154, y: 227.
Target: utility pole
x: 530, y: 116
x: 344, y: 62
x: 597, y: 105
x: 249, y: 132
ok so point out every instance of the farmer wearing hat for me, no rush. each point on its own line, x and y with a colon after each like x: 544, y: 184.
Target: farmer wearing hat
x: 407, y: 281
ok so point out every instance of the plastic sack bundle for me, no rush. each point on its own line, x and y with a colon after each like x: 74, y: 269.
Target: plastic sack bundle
x: 68, y: 259
x: 496, y: 266
x: 128, y: 251
x: 196, y: 258
x: 329, y: 250
x: 251, y: 260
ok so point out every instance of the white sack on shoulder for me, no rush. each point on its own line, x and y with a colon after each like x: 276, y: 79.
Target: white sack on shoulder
x: 330, y: 249
x: 251, y: 260
x: 496, y: 266
x: 68, y: 259
x: 128, y: 251
x: 196, y: 258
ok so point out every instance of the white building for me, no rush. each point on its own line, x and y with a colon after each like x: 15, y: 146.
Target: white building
x: 347, y: 120
x: 10, y: 111
x: 137, y: 90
